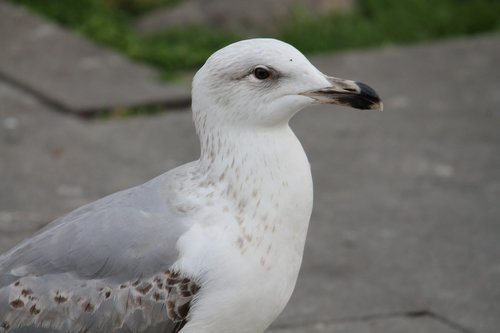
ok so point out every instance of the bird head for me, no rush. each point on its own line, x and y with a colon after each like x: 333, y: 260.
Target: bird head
x: 264, y: 82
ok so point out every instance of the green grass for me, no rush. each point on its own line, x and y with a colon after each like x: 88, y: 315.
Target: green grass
x: 382, y: 22
x: 372, y: 23
x: 138, y: 7
x: 124, y: 112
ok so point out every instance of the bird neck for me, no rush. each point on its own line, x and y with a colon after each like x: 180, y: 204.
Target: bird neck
x: 246, y: 153
x: 264, y: 172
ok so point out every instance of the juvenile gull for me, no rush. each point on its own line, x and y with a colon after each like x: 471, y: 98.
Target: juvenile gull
x: 212, y: 246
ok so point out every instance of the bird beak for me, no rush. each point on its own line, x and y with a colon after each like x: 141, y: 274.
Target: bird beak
x: 346, y: 92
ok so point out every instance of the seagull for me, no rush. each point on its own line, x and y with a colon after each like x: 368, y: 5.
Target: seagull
x: 212, y: 246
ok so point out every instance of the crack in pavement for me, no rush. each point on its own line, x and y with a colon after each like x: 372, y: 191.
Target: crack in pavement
x: 378, y: 316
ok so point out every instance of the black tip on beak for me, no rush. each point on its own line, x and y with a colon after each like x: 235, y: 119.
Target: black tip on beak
x: 366, y: 99
x: 349, y: 93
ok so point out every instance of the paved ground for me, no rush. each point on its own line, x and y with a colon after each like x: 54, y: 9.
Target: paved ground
x: 244, y: 17
x: 406, y: 226
x: 71, y: 73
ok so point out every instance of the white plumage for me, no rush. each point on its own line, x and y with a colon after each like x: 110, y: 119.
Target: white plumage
x: 213, y: 246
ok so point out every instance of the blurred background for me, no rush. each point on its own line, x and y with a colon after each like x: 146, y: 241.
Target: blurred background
x: 175, y: 35
x: 405, y: 232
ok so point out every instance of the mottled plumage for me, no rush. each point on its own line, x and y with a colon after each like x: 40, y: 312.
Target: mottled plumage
x: 213, y: 246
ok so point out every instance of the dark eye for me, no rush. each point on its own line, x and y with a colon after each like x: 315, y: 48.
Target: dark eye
x: 261, y: 73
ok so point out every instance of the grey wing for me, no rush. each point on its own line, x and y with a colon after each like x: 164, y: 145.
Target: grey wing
x: 103, y: 267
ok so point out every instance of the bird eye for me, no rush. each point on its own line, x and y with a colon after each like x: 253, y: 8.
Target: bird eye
x: 261, y: 73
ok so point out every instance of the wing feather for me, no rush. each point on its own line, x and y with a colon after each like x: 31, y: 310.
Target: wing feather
x: 95, y: 268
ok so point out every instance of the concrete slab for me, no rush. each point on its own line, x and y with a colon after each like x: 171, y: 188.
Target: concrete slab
x: 245, y: 18
x: 378, y: 325
x: 406, y: 202
x: 53, y: 163
x: 72, y: 73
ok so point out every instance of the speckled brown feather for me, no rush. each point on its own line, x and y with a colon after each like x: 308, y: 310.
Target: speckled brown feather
x: 91, y: 307
x: 181, y: 291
